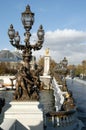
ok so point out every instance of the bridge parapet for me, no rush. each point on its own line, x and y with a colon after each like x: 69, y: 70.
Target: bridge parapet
x: 65, y: 116
x: 59, y: 98
x: 60, y: 119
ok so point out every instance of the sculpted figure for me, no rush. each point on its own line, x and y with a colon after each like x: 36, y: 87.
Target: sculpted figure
x: 69, y: 102
x: 27, y: 83
x: 47, y: 52
x: 23, y: 83
x: 37, y: 83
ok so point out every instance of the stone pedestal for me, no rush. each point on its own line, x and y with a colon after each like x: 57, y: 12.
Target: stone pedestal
x: 29, y: 114
x: 47, y: 81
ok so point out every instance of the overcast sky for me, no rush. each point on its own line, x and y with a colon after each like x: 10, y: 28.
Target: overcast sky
x: 64, y: 22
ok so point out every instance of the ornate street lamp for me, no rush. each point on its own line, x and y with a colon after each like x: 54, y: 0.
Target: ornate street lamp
x: 27, y: 18
x: 64, y: 66
x: 64, y: 62
x: 27, y: 21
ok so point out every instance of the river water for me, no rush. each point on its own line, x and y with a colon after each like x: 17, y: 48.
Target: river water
x: 79, y: 94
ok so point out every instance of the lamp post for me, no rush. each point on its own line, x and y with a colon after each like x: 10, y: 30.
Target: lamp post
x: 64, y: 62
x: 27, y: 18
x: 64, y: 73
x: 61, y: 70
x: 64, y: 66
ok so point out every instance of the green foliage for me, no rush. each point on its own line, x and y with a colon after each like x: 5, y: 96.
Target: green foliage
x: 78, y: 70
x: 41, y: 62
x: 52, y: 66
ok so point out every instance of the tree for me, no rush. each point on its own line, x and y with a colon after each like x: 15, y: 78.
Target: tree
x: 5, y: 68
x: 84, y: 67
x: 78, y: 70
x: 41, y: 62
x: 52, y: 66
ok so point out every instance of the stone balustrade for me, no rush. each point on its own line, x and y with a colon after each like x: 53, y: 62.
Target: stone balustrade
x: 59, y: 98
x: 60, y: 119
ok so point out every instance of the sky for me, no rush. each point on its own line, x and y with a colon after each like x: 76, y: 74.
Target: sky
x: 64, y: 23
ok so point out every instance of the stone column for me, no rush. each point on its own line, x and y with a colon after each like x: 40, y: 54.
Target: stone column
x: 46, y: 63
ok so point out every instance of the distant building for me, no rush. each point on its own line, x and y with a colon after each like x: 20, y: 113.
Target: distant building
x: 13, y: 58
x: 8, y: 56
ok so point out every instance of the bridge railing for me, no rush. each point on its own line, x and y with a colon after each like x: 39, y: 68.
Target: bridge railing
x: 59, y: 119
x: 58, y: 94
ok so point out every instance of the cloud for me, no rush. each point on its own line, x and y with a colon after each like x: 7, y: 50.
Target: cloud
x: 66, y: 43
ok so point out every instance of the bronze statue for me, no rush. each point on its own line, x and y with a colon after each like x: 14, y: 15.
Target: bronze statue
x: 68, y: 102
x: 27, y: 84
